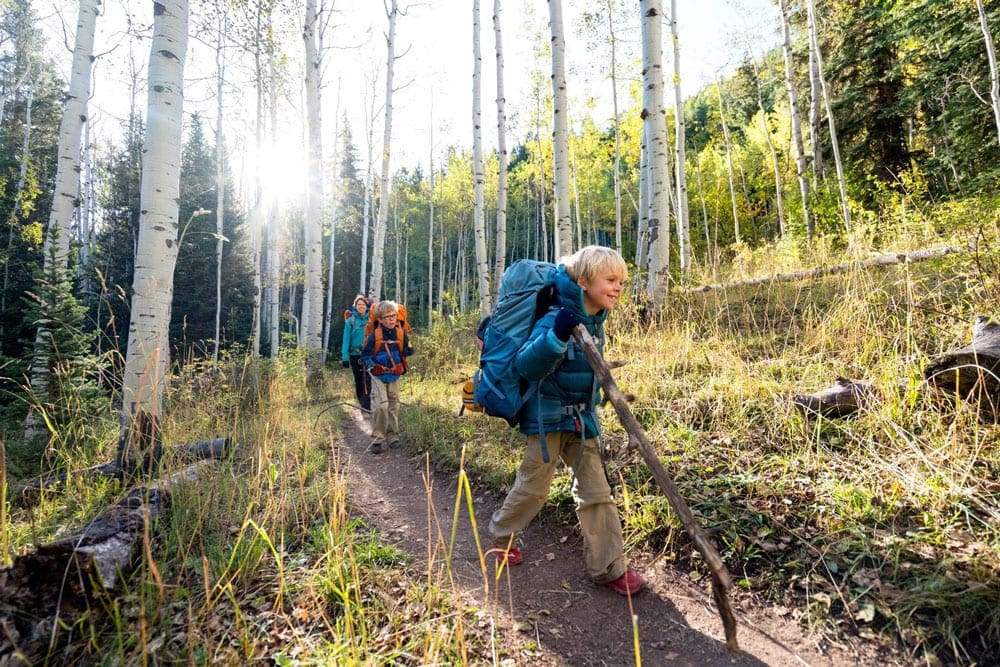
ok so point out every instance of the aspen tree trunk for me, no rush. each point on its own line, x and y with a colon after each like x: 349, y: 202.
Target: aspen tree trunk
x: 642, y: 214
x: 430, y: 229
x: 618, y: 137
x: 499, y: 264
x: 834, y: 143
x: 156, y: 253
x: 478, y: 172
x: 793, y: 105
x: 560, y: 133
x: 87, y: 212
x: 220, y: 176
x: 655, y: 126
x: 818, y: 164
x: 366, y: 217
x: 397, y: 237
x: 257, y: 213
x: 729, y: 162
x: 312, y: 289
x: 273, y: 245
x: 779, y: 198
x: 992, y: 56
x: 378, y: 250
x: 331, y: 216
x: 683, y: 221
x: 65, y: 201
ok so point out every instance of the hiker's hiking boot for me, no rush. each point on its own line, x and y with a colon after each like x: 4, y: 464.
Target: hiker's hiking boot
x: 376, y: 448
x: 628, y: 584
x: 395, y: 444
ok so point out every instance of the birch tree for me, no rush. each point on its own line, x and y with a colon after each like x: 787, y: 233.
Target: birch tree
x: 220, y: 174
x: 560, y: 133
x: 655, y: 129
x: 499, y: 264
x: 845, y: 209
x: 729, y: 161
x: 478, y: 175
x: 796, y: 119
x: 392, y: 12
x: 430, y: 226
x: 683, y: 222
x: 65, y: 200
x: 312, y: 293
x: 273, y: 247
x: 146, y: 360
x: 992, y: 57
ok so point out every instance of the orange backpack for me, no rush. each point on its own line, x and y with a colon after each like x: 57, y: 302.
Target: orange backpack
x: 402, y: 328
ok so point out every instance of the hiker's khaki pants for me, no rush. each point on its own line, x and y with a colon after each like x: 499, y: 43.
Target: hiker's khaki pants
x: 385, y: 410
x: 595, y: 508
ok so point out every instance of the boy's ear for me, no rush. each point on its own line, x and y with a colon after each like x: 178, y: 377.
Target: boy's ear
x: 583, y: 284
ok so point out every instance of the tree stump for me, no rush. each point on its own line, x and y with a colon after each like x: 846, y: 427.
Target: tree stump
x: 971, y: 373
x: 844, y: 397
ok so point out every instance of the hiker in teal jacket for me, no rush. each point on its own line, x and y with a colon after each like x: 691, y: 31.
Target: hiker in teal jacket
x: 562, y: 418
x: 350, y: 350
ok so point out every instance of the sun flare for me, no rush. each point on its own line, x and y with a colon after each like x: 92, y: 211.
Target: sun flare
x: 283, y: 172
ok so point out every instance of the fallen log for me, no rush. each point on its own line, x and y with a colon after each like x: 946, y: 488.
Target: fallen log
x: 885, y: 259
x: 721, y: 581
x: 49, y: 587
x: 27, y: 494
x: 971, y: 373
x: 844, y: 397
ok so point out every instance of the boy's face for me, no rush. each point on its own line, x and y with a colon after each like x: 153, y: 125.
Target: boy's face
x: 602, y: 292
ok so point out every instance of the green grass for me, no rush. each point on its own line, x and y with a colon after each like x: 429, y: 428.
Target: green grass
x: 886, y: 523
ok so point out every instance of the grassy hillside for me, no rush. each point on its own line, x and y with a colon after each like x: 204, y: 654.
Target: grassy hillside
x: 885, y: 523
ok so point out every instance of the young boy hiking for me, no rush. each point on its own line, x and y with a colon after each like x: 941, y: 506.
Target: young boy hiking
x: 564, y: 413
x: 350, y: 350
x: 384, y: 356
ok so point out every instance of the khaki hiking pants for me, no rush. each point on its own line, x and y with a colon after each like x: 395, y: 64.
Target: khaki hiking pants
x: 595, y: 508
x: 385, y: 411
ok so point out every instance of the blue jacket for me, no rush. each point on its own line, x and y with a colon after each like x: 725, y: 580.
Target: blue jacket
x: 354, y: 334
x: 567, y: 381
x: 389, y: 354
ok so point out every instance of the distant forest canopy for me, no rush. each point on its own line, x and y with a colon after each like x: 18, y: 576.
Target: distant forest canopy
x: 909, y: 85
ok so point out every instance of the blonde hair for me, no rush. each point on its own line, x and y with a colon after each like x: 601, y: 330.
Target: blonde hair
x: 587, y: 262
x: 385, y: 308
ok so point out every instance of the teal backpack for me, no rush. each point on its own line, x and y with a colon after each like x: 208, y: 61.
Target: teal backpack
x: 527, y: 291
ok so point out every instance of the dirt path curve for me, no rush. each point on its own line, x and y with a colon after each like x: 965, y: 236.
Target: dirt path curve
x: 547, y: 611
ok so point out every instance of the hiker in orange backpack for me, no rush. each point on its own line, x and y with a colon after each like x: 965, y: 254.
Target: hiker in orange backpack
x: 355, y: 323
x: 384, y: 357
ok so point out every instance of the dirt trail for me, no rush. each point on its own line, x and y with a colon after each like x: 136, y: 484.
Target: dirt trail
x: 547, y: 610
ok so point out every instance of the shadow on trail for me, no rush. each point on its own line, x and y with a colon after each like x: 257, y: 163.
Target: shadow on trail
x: 546, y: 611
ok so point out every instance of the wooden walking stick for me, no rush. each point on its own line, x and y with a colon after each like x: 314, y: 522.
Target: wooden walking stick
x: 721, y: 581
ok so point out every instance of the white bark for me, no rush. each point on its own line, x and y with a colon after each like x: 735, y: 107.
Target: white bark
x: 273, y: 246
x: 220, y: 176
x: 430, y: 227
x: 312, y: 292
x: 683, y: 222
x: 501, y: 233
x: 147, y: 356
x: 655, y: 126
x: 560, y: 133
x: 845, y: 208
x: 779, y: 199
x: 618, y: 140
x: 66, y: 196
x: 815, y: 99
x: 992, y: 57
x: 793, y: 105
x: 331, y: 207
x: 729, y: 162
x: 478, y: 171
x: 392, y: 13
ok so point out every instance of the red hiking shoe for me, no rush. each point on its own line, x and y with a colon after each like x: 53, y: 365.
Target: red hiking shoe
x: 512, y: 556
x: 629, y: 583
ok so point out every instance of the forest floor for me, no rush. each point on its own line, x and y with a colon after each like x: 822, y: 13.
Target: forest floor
x: 546, y: 611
